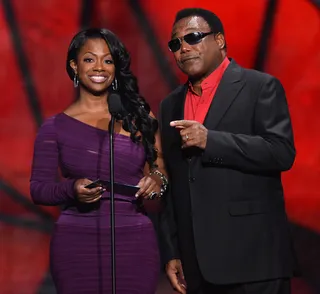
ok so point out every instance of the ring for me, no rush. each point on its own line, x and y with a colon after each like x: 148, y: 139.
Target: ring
x: 187, y: 137
x: 152, y: 195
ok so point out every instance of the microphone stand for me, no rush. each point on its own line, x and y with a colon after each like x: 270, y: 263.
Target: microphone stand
x: 112, y: 208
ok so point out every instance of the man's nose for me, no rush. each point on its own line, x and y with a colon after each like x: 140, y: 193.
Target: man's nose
x: 185, y: 47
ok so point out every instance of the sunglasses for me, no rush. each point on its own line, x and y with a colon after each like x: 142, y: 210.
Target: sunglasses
x: 192, y: 39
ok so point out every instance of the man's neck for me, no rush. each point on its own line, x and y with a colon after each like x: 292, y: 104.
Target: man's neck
x: 196, y: 82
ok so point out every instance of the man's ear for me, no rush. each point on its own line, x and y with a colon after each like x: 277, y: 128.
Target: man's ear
x: 221, y: 41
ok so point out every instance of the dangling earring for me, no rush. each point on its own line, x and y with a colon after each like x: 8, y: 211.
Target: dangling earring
x: 75, y: 80
x: 115, y: 84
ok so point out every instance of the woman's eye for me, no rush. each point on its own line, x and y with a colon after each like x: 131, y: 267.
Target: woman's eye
x: 88, y: 60
x: 108, y: 61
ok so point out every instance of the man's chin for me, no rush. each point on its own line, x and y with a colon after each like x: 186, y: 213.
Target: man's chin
x: 192, y: 72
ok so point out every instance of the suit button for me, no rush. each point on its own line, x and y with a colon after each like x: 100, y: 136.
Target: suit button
x: 192, y: 179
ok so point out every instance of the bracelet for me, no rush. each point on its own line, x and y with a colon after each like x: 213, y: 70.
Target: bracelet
x: 164, y: 180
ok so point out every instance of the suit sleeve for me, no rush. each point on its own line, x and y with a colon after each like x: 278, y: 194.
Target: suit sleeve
x: 167, y: 224
x: 44, y: 188
x: 270, y: 149
x: 168, y: 231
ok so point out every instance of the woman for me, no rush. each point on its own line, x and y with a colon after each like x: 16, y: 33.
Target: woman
x: 77, y: 142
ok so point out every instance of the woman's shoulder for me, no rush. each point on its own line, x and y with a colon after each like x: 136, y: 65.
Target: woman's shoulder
x: 51, y: 121
x: 49, y: 125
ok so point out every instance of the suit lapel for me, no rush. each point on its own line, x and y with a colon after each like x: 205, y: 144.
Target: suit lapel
x: 178, y: 107
x: 228, y: 89
x: 176, y: 113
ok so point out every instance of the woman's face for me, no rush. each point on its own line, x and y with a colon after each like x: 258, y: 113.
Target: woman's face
x: 94, y: 66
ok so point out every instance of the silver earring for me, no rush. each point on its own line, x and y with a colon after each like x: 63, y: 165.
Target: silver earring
x: 75, y: 80
x: 115, y: 84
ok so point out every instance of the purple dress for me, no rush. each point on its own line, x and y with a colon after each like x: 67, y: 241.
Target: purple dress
x: 80, y: 251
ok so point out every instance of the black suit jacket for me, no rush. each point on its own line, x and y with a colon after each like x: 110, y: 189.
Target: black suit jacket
x: 231, y: 193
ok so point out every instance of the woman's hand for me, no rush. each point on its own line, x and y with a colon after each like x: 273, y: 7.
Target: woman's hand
x: 85, y: 195
x: 149, y: 185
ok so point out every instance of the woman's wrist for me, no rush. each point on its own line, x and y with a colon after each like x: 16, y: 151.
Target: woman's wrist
x: 164, y: 181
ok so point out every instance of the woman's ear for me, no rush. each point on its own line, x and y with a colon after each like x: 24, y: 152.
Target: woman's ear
x: 74, y: 66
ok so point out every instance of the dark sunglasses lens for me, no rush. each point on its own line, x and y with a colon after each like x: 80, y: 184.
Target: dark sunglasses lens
x: 193, y: 38
x: 174, y: 45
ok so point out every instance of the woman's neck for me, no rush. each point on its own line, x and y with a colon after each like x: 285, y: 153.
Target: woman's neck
x: 93, y: 103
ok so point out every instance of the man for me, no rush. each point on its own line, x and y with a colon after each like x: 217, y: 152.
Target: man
x: 227, y: 137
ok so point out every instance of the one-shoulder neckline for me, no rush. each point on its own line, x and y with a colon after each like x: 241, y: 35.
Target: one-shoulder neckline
x: 90, y: 126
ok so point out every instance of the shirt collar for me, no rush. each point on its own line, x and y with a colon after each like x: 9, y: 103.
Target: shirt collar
x: 211, y: 80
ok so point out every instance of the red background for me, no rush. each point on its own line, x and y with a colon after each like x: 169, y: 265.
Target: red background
x: 34, y: 39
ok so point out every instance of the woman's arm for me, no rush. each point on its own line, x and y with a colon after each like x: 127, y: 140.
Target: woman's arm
x: 44, y: 188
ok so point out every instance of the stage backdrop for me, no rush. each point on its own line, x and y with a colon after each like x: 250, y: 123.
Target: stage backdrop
x: 280, y: 37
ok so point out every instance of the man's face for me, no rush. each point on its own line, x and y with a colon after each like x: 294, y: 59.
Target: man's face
x: 200, y: 59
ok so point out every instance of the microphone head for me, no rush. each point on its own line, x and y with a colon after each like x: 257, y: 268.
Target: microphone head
x: 115, y: 105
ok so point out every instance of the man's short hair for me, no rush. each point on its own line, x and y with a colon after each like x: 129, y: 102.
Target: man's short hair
x: 213, y: 20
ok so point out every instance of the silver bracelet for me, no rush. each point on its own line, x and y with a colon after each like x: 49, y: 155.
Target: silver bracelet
x: 164, y: 180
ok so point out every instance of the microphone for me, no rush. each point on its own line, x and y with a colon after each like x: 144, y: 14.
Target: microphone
x: 116, y: 110
x: 115, y: 106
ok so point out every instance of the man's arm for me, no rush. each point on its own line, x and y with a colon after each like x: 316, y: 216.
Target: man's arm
x: 167, y: 224
x: 168, y: 230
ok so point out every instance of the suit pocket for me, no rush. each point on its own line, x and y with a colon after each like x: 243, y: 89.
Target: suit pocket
x: 247, y: 208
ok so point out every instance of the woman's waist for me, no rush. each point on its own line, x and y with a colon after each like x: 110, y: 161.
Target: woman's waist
x: 126, y: 214
x: 122, y: 205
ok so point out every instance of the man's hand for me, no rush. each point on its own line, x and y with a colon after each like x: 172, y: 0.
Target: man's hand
x: 175, y: 274
x: 192, y: 133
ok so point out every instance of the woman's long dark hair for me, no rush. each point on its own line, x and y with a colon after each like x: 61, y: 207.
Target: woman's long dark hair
x: 138, y: 117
